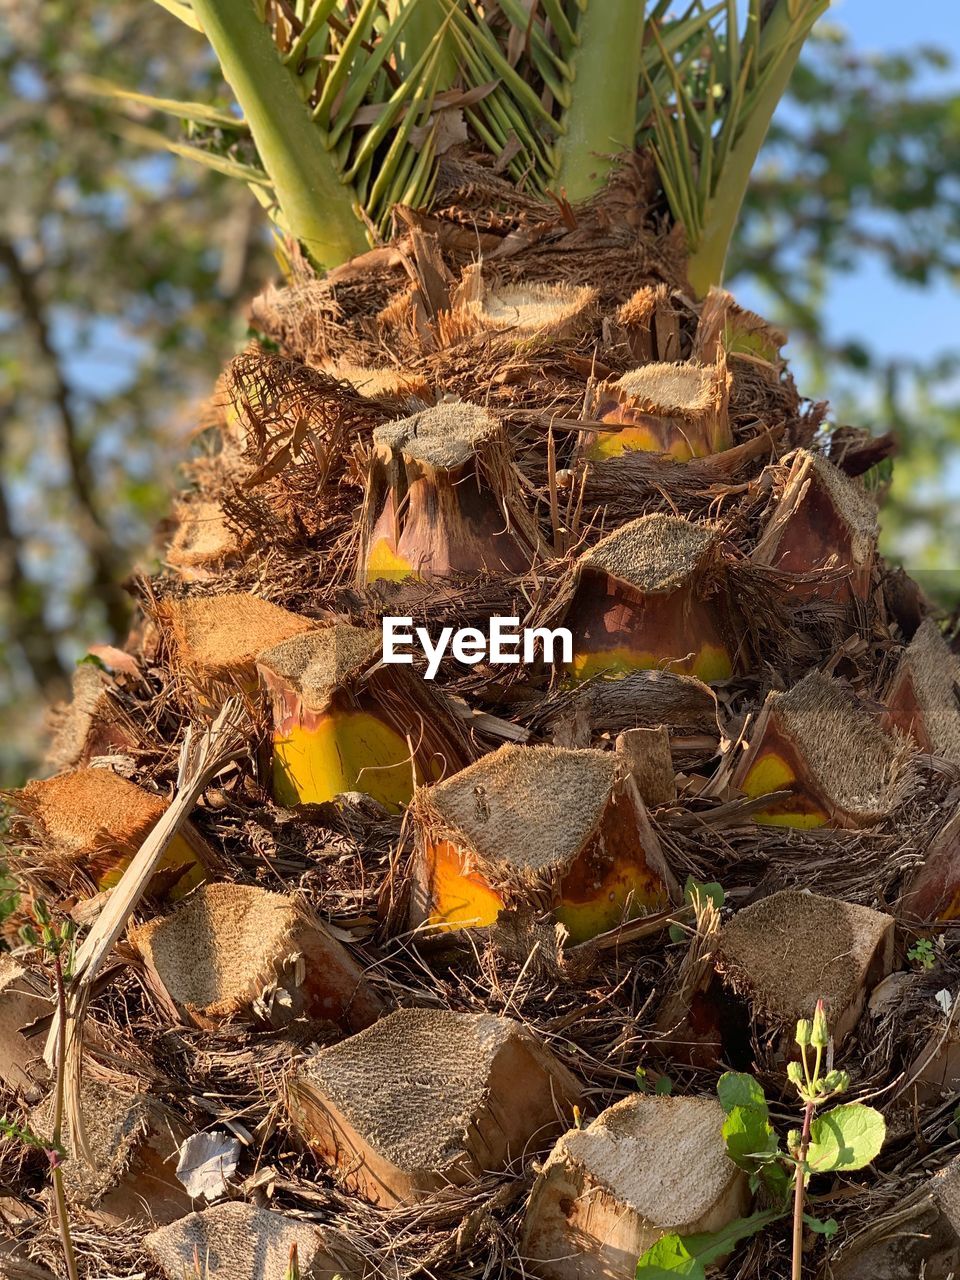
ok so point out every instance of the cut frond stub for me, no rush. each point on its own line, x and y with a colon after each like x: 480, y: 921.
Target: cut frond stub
x: 646, y: 1167
x: 442, y: 499
x: 820, y: 743
x: 823, y: 520
x: 342, y: 721
x: 642, y: 600
x: 235, y: 951
x: 377, y: 383
x: 545, y: 829
x: 238, y: 1241
x: 794, y: 948
x: 426, y: 1099
x: 134, y: 1143
x: 91, y: 724
x: 649, y: 325
x: 677, y: 409
x: 204, y: 542
x: 923, y: 699
x: 214, y: 640
x: 727, y: 330
x: 92, y: 822
x: 533, y: 309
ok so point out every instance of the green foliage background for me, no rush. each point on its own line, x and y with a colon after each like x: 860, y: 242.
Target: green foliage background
x: 123, y: 277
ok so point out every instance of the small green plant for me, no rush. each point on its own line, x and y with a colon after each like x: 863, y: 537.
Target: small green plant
x: 56, y: 945
x: 293, y: 1266
x: 922, y: 954
x: 695, y: 894
x: 844, y: 1138
x: 662, y: 1086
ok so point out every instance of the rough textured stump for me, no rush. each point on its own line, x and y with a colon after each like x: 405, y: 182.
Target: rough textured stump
x: 233, y: 951
x: 526, y: 309
x: 442, y: 498
x: 426, y: 1099
x: 344, y: 722
x: 91, y: 822
x: 214, y: 640
x: 825, y: 747
x: 90, y: 725
x: 644, y: 1168
x: 794, y: 948
x: 675, y: 409
x: 647, y: 755
x: 22, y: 1002
x: 823, y: 520
x: 542, y: 829
x: 923, y: 698
x: 204, y: 543
x: 643, y: 599
x: 240, y: 1242
x: 134, y: 1143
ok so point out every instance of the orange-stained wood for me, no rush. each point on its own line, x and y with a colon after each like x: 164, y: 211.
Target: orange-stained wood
x: 618, y: 629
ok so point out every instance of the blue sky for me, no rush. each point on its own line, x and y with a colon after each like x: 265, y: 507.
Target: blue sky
x: 888, y: 315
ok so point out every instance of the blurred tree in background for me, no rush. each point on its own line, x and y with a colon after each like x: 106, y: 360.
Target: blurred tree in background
x: 123, y: 273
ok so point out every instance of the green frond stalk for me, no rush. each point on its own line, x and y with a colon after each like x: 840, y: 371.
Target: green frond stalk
x: 781, y: 38
x: 317, y: 209
x: 601, y: 120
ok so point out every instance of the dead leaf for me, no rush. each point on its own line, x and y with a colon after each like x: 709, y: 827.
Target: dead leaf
x: 207, y: 1163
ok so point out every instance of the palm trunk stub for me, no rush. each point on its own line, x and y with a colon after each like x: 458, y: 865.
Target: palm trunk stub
x: 292, y: 477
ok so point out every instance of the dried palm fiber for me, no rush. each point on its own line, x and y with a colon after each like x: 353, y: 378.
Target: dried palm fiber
x: 923, y: 698
x: 821, y: 520
x: 16, y: 1265
x: 443, y: 499
x: 493, y: 1094
x: 134, y: 1145
x: 645, y: 597
x: 23, y: 1000
x: 793, y: 948
x: 235, y: 951
x: 562, y: 831
x: 677, y: 409
x: 344, y: 721
x: 91, y: 724
x: 826, y: 749
x: 238, y: 1241
x: 646, y: 1166
x: 215, y: 639
x: 92, y: 821
x: 204, y: 540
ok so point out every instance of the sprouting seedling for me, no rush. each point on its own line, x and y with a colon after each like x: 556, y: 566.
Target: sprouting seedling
x: 843, y: 1138
x: 293, y: 1266
x: 922, y: 954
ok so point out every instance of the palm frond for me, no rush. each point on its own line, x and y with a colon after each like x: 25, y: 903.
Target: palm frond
x: 709, y: 119
x: 346, y: 101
